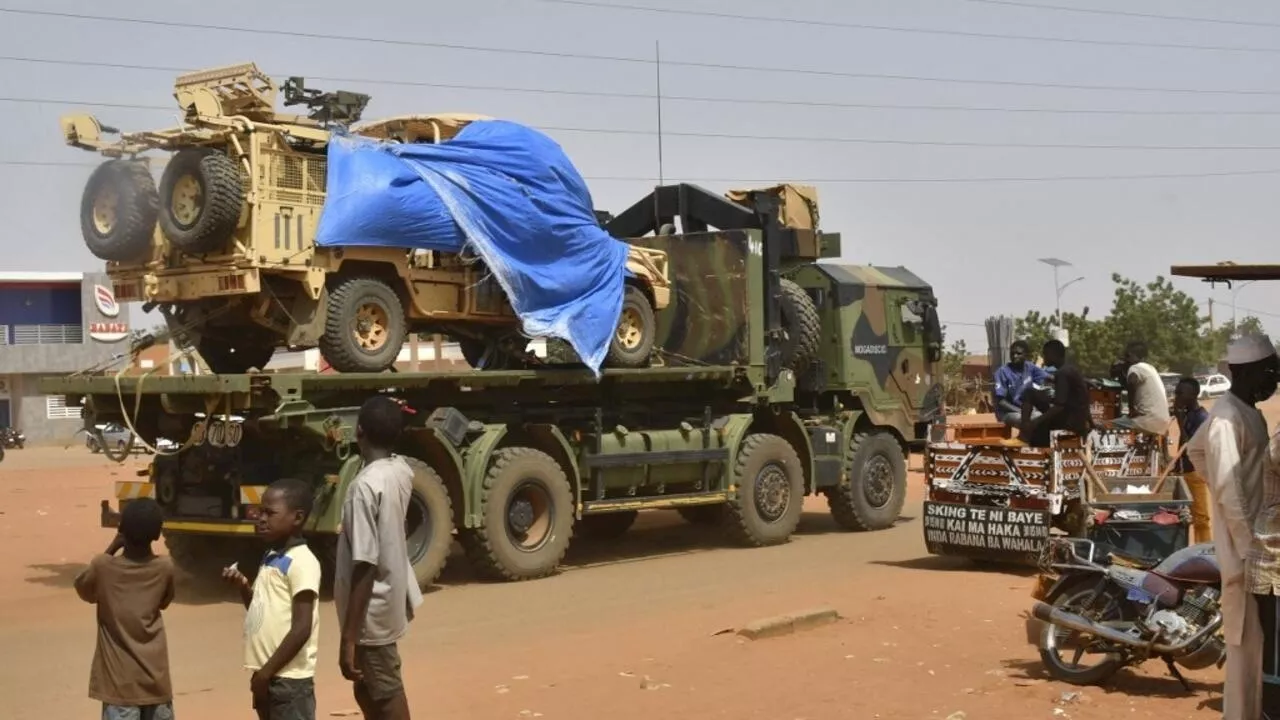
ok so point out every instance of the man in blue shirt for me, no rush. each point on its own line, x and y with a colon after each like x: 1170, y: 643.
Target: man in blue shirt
x: 1012, y: 381
x: 1191, y: 415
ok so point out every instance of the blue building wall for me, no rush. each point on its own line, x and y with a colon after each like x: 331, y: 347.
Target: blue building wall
x: 40, y: 304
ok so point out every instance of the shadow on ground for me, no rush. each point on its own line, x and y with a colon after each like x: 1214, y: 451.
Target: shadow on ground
x: 56, y: 575
x: 943, y: 563
x: 1126, y: 682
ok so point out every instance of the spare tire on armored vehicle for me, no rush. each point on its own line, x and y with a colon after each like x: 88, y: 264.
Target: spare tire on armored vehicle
x: 201, y: 199
x: 118, y: 210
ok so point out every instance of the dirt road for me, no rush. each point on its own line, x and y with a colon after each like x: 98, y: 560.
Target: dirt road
x: 628, y: 631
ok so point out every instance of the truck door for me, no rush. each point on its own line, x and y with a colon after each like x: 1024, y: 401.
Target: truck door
x: 912, y: 376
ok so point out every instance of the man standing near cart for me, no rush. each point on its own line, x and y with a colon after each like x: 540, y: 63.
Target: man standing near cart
x: 1230, y: 451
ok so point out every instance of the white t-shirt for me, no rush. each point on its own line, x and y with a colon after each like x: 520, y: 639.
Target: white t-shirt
x: 373, y: 519
x: 1147, y: 399
x: 282, y: 576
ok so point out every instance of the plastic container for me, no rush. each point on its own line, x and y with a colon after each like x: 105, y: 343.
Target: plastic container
x: 1143, y: 526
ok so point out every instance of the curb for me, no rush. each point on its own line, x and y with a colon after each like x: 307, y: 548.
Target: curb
x: 787, y: 624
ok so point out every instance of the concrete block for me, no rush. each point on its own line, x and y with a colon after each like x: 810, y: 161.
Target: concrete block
x: 787, y: 624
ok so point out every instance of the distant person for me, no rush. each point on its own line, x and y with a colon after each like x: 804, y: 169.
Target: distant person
x: 1230, y: 451
x: 1191, y: 415
x: 282, y: 625
x: 1012, y: 380
x: 130, y: 670
x: 1069, y: 407
x: 1148, y: 401
x: 375, y: 590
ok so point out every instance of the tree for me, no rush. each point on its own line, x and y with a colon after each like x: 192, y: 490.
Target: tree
x: 1165, y: 318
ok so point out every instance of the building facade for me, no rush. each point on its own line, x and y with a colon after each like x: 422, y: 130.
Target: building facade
x: 53, y: 324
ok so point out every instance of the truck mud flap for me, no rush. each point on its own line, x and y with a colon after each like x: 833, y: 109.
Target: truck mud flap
x: 1003, y: 535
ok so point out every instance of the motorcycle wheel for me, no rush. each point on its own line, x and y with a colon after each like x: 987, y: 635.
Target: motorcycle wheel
x: 1082, y: 597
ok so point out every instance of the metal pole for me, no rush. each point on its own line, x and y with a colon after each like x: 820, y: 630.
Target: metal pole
x: 1057, y: 299
x: 657, y: 65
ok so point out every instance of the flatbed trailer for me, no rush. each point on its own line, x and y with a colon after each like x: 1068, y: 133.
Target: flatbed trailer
x: 780, y: 377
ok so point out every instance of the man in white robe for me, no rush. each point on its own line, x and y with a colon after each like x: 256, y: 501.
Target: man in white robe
x: 1231, y: 450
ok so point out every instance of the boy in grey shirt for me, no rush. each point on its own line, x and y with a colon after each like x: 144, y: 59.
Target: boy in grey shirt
x: 374, y: 588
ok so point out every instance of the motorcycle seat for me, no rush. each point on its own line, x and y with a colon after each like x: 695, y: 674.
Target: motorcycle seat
x: 1139, y: 563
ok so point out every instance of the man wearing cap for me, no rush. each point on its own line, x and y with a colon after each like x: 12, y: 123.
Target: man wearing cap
x: 1230, y: 450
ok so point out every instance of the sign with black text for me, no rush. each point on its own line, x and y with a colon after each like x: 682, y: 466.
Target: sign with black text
x: 984, y: 532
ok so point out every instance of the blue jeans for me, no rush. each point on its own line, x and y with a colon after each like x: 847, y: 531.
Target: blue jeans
x: 134, y: 712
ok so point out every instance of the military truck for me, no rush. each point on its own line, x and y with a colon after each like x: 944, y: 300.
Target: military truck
x: 224, y: 248
x: 784, y: 375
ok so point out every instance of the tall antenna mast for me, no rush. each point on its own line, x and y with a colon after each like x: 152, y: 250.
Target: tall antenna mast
x: 657, y: 56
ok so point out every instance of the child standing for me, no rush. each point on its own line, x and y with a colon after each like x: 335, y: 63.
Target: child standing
x: 281, y: 627
x: 130, y: 671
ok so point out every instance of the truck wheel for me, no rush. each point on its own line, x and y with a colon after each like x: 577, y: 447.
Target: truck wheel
x: 527, y: 508
x: 877, y: 487
x: 633, y: 339
x: 428, y: 523
x: 118, y: 211
x: 607, y: 526
x: 364, y: 328
x: 231, y: 358
x: 803, y: 326
x: 202, y: 198
x: 203, y: 556
x: 702, y: 514
x: 765, y: 508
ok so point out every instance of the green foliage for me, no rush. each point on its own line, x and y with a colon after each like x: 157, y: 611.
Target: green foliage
x: 1168, y: 320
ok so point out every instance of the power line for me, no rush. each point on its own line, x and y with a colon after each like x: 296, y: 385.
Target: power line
x: 783, y: 20
x: 1126, y: 13
x: 714, y: 66
x: 833, y: 181
x: 780, y: 138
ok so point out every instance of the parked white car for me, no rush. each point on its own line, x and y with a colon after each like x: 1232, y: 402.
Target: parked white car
x: 1212, y: 386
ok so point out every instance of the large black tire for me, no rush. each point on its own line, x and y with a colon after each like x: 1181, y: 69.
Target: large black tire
x: 364, y: 327
x: 428, y: 523
x: 201, y: 197
x: 637, y: 329
x: 877, y: 489
x: 234, y: 358
x: 1080, y: 597
x: 530, y: 487
x: 606, y: 526
x: 766, y: 505
x: 802, y: 325
x: 118, y: 211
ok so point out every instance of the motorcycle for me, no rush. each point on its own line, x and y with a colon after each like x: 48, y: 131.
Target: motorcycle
x: 1126, y: 612
x: 12, y: 437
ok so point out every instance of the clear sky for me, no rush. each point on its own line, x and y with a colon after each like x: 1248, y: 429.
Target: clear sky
x: 976, y: 240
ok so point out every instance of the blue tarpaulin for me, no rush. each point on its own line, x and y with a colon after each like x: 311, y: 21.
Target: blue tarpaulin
x: 508, y: 192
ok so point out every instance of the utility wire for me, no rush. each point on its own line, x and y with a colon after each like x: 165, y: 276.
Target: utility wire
x: 715, y: 100
x: 784, y: 20
x: 716, y: 66
x: 780, y: 138
x: 1126, y: 13
x: 831, y: 181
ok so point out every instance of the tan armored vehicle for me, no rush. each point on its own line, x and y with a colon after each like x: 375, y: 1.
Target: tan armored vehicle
x: 224, y: 246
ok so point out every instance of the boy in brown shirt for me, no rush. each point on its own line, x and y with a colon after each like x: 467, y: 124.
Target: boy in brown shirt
x: 130, y: 671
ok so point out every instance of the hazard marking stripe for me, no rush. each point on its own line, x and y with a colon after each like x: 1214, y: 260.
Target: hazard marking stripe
x: 252, y: 494
x: 127, y: 490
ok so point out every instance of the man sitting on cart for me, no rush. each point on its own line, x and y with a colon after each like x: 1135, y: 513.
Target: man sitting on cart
x: 1068, y: 409
x: 1148, y: 404
x: 1012, y: 381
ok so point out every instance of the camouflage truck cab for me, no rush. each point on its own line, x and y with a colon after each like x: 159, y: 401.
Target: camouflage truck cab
x: 224, y: 246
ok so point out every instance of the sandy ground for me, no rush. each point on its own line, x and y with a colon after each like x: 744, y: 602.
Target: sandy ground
x: 631, y: 629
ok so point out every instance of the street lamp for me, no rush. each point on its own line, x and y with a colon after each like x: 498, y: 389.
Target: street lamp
x: 1235, y: 329
x: 1056, y: 263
